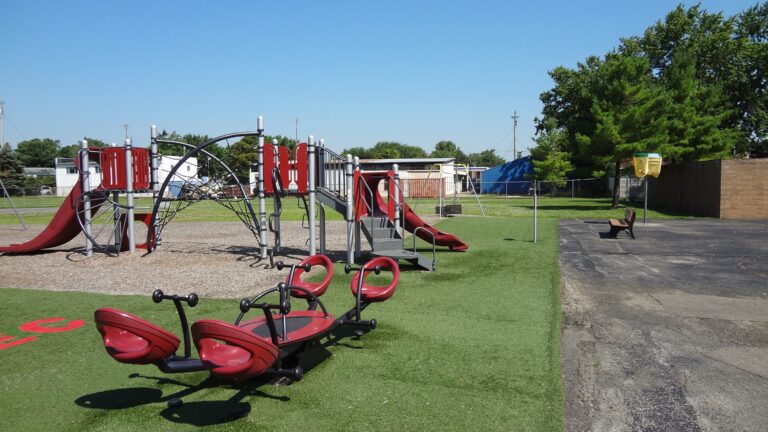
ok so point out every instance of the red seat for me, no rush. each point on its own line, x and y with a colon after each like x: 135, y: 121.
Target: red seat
x: 130, y: 339
x: 231, y: 352
x: 301, y: 325
x: 373, y: 293
x: 315, y: 288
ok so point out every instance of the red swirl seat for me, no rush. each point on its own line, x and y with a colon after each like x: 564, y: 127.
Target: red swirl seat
x: 373, y: 293
x: 315, y: 288
x: 130, y: 339
x: 231, y: 352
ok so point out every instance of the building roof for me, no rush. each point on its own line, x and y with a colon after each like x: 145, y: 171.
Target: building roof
x: 409, y: 161
x: 39, y: 171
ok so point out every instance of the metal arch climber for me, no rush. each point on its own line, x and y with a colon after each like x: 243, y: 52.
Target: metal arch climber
x: 238, y: 202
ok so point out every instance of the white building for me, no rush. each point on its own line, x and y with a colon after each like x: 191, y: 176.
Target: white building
x: 67, y: 175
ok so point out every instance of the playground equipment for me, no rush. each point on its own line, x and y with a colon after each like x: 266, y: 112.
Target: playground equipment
x: 125, y: 170
x: 271, y: 344
x: 315, y: 174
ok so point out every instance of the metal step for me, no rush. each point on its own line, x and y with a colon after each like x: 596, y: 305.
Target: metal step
x: 412, y: 257
x: 332, y: 200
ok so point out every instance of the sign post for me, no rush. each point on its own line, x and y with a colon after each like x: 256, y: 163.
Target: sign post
x: 646, y: 164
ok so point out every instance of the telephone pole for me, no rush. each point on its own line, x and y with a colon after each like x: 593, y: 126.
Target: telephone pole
x: 2, y: 123
x: 514, y: 134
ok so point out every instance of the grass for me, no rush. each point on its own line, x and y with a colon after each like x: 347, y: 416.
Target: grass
x: 557, y: 208
x: 473, y: 346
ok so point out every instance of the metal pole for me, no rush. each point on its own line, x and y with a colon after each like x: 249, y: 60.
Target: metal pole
x: 645, y: 204
x: 535, y: 211
x: 154, y: 159
x: 350, y: 216
x: 395, y: 194
x: 12, y: 204
x: 311, y: 190
x: 351, y: 202
x: 129, y: 193
x: 116, y: 222
x: 85, y: 186
x: 573, y: 185
x: 262, y: 196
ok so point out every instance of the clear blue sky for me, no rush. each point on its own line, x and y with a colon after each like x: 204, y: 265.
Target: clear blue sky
x: 353, y: 72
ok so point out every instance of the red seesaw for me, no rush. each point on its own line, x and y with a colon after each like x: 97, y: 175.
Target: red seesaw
x: 269, y: 344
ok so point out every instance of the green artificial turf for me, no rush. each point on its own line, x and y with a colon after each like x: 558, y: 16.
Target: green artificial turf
x: 472, y: 346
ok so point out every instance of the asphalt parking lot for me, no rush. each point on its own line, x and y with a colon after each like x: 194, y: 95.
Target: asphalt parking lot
x: 668, y: 332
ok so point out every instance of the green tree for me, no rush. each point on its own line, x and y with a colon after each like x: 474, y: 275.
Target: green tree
x: 447, y: 149
x: 38, y: 152
x: 11, y: 169
x: 72, y: 150
x: 486, y: 158
x: 550, y: 161
x: 694, y: 116
x: 241, y: 155
x: 628, y: 110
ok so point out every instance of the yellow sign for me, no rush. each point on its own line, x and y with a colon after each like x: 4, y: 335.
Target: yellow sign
x: 647, y: 164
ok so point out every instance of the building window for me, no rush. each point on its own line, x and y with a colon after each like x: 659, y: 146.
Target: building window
x: 72, y: 170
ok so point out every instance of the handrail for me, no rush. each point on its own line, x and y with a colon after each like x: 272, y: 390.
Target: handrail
x: 370, y: 208
x: 434, y: 255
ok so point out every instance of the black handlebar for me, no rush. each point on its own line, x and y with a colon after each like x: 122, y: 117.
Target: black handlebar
x: 376, y: 269
x: 281, y: 265
x: 158, y: 296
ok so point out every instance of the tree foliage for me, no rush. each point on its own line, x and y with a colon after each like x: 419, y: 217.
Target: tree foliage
x: 387, y: 150
x: 38, y: 152
x: 11, y: 169
x: 692, y: 87
x: 486, y: 158
x: 72, y: 150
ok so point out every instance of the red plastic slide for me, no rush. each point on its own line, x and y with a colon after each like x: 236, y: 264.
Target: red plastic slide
x: 412, y: 220
x: 63, y: 227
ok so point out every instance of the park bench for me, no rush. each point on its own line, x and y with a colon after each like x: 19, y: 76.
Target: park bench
x: 623, y: 225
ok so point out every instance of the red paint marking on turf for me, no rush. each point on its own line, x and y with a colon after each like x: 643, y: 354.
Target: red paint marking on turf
x: 14, y: 343
x: 35, y: 327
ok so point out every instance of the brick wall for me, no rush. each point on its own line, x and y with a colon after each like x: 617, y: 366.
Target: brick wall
x: 744, y: 189
x: 727, y: 189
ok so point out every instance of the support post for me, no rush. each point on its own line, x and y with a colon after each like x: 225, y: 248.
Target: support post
x: 262, y: 196
x: 116, y: 222
x: 129, y: 194
x: 85, y: 185
x: 535, y: 211
x: 154, y: 160
x: 395, y: 194
x: 351, y: 199
x: 350, y: 216
x: 311, y: 190
x: 645, y: 199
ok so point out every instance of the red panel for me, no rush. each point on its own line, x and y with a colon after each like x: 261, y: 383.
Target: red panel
x: 373, y: 293
x: 130, y: 339
x: 113, y: 168
x: 285, y: 166
x: 302, y: 167
x: 146, y: 218
x: 269, y: 162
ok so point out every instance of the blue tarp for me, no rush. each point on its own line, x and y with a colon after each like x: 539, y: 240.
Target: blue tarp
x: 508, y: 178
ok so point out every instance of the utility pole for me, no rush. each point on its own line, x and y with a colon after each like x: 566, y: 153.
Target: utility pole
x: 514, y: 134
x: 126, y: 130
x: 297, y: 131
x: 2, y: 123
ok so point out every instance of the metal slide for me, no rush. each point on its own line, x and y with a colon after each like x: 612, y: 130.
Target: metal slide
x: 62, y: 228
